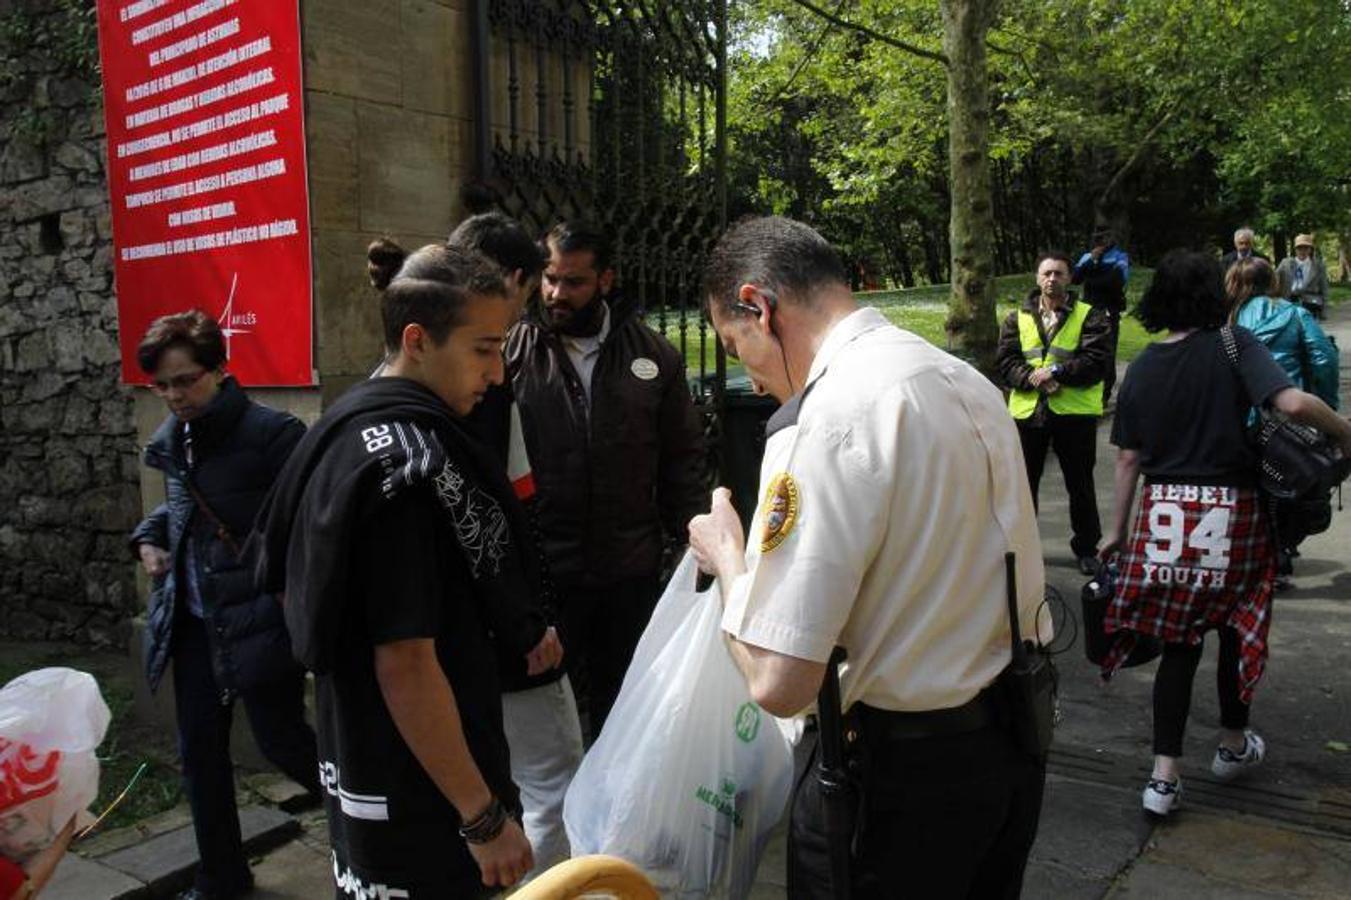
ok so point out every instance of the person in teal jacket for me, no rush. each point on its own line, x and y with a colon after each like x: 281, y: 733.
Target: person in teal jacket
x: 1288, y: 329
x: 1298, y: 344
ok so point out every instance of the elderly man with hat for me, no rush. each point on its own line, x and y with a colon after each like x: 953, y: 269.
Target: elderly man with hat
x: 1305, y: 276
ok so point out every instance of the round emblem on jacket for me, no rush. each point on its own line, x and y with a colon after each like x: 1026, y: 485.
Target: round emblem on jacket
x: 644, y: 368
x: 781, y: 508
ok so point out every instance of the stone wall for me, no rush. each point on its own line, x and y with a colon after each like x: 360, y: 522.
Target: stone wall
x: 68, y: 465
x: 389, y: 130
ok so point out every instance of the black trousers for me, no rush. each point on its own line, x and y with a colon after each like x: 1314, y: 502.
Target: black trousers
x: 601, y: 628
x: 1173, y: 691
x: 277, y: 715
x: 939, y: 818
x: 1075, y: 441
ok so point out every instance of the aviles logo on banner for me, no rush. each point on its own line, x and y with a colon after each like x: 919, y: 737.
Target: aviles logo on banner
x: 206, y: 176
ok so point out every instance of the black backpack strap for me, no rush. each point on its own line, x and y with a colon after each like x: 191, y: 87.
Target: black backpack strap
x: 1230, y: 344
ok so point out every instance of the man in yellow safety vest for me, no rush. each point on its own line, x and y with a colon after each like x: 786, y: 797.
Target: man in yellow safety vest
x: 1052, y: 357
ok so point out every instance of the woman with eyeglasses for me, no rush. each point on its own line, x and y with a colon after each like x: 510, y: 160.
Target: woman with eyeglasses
x: 219, y: 452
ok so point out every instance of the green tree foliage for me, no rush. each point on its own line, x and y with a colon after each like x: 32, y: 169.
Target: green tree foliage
x: 1171, y: 120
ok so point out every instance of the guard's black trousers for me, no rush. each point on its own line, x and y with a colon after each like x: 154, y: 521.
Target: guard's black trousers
x: 940, y: 817
x: 1075, y: 442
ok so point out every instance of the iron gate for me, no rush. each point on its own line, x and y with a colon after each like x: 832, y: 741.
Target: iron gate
x: 615, y: 112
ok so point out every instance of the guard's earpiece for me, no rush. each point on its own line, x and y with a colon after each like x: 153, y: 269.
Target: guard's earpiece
x: 771, y: 302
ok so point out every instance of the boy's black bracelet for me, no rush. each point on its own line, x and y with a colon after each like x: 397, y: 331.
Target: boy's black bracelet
x: 487, y: 825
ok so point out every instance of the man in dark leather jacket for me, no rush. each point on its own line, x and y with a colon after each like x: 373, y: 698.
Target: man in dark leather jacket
x: 616, y: 449
x: 226, y: 640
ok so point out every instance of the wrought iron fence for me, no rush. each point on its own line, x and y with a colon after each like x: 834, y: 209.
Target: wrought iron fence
x: 614, y: 112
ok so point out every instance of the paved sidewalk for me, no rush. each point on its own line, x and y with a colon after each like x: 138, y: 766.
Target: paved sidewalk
x: 1284, y: 832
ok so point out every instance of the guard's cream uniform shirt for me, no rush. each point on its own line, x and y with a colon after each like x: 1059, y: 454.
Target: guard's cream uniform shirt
x: 899, y: 489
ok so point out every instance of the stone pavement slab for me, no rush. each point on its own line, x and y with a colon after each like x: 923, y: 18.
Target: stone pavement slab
x: 296, y: 870
x: 1252, y: 854
x: 1162, y: 881
x: 1087, y: 835
x: 78, y: 878
x: 279, y: 791
x: 100, y: 844
x: 165, y: 862
x: 1048, y: 881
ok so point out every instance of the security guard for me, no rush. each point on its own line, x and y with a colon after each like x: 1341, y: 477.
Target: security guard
x: 1052, y: 354
x: 891, y: 491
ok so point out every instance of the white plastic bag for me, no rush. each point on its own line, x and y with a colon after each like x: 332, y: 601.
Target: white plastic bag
x: 51, y: 721
x: 689, y: 775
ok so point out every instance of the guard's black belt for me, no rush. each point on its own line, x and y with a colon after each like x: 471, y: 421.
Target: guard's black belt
x: 979, y: 712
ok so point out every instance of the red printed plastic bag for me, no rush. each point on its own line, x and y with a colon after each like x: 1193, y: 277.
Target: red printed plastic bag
x: 51, y: 722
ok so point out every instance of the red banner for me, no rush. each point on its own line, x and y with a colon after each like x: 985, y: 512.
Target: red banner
x: 206, y: 172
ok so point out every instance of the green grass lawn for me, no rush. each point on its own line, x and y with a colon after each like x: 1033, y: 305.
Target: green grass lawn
x: 924, y: 311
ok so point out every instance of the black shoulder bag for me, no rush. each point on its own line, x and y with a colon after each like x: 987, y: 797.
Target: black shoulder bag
x: 1030, y: 681
x: 1298, y: 467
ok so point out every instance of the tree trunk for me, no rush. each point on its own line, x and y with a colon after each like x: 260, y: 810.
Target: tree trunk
x: 1344, y: 257
x: 1278, y: 245
x: 971, y: 322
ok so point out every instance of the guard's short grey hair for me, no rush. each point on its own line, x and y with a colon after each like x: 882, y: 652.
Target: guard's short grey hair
x: 1245, y: 231
x: 785, y: 257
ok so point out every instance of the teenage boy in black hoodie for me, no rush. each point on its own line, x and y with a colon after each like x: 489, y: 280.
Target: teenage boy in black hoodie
x: 397, y: 540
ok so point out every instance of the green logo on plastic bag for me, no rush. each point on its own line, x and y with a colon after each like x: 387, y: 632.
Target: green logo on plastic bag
x: 748, y: 721
x: 723, y: 801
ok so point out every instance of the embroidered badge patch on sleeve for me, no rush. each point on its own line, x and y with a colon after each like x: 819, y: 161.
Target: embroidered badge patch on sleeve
x: 781, y: 501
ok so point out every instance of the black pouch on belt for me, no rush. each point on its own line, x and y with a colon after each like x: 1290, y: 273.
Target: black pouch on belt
x: 1029, y: 682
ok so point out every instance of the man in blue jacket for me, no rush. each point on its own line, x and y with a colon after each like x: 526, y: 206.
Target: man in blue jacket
x: 1103, y: 272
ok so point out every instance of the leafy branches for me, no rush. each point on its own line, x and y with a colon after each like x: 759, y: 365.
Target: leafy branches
x: 1172, y: 119
x: 873, y: 34
x: 39, y: 44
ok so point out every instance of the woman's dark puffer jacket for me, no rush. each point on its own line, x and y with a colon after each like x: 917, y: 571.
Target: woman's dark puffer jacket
x: 238, y: 449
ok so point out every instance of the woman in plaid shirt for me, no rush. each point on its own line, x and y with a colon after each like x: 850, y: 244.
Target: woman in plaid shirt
x: 1199, y: 556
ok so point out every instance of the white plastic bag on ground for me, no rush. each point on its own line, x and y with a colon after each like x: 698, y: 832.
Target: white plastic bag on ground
x: 51, y: 722
x: 689, y: 775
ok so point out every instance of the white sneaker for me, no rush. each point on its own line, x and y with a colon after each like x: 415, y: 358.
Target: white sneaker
x: 1228, y: 764
x: 1161, y: 796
